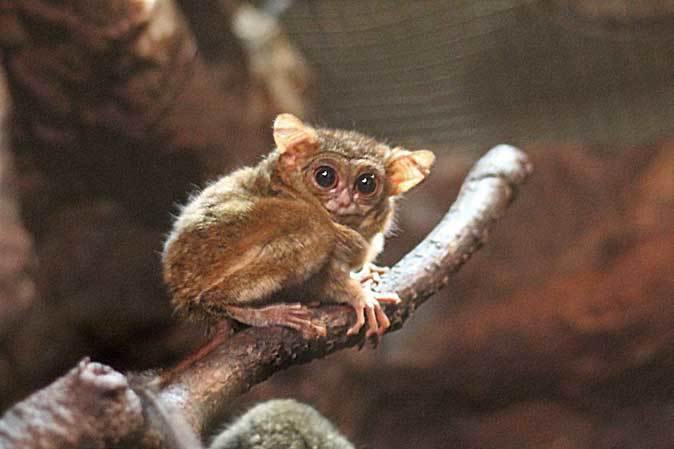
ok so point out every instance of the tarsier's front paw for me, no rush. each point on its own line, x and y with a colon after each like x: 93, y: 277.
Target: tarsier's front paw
x: 370, y: 274
x: 368, y: 306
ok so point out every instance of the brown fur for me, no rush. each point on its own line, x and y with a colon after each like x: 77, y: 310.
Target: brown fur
x: 267, y: 231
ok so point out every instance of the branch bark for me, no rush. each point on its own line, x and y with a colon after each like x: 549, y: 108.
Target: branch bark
x: 204, y: 390
x: 91, y: 406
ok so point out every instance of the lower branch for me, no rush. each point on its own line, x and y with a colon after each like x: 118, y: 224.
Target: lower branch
x: 91, y: 406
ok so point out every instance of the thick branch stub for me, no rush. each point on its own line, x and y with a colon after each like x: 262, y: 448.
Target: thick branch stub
x: 91, y: 406
x: 250, y: 356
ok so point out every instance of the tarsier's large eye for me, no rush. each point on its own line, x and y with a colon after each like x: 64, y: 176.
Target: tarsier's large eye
x: 366, y: 183
x: 325, y: 176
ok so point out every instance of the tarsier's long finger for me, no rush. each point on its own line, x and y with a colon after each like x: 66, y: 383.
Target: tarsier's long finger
x: 374, y: 336
x: 384, y: 322
x: 308, y: 329
x: 378, y: 269
x: 370, y: 274
x: 303, y: 314
x: 292, y: 305
x: 371, y: 277
x: 290, y: 311
x: 299, y: 318
x: 387, y: 297
x: 373, y: 325
x: 364, y: 278
x: 296, y: 321
x: 360, y: 321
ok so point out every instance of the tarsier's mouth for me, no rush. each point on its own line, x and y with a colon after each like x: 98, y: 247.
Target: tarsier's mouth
x: 346, y: 216
x: 346, y: 213
x: 350, y: 211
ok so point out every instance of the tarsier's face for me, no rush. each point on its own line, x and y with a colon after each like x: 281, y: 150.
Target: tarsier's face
x: 347, y: 188
x: 352, y: 175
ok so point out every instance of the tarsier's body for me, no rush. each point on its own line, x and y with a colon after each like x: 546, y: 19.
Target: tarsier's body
x: 291, y: 230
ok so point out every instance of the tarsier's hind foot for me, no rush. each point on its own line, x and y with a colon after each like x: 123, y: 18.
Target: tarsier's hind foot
x: 295, y: 316
x: 368, y: 307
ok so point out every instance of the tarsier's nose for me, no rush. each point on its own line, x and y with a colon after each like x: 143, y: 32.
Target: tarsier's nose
x: 343, y: 198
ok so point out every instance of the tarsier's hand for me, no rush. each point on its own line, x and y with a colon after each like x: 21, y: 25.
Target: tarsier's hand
x: 369, y: 304
x: 370, y: 275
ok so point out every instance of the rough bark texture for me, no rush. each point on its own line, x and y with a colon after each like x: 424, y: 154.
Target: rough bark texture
x: 91, y: 406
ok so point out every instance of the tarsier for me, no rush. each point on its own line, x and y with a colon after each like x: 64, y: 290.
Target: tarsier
x: 260, y: 244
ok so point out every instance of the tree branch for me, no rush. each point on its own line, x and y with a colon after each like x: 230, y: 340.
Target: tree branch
x: 251, y: 356
x: 70, y: 413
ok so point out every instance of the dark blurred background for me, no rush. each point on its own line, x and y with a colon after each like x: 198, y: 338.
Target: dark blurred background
x: 558, y: 334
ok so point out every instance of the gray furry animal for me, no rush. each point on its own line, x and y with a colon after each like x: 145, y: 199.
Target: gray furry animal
x: 281, y: 424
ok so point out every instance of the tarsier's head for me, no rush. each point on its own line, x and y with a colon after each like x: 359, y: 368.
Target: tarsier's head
x: 353, y: 176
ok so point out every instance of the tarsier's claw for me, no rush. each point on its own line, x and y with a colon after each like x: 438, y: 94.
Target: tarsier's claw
x: 387, y: 297
x: 385, y: 323
x: 360, y: 319
x: 377, y: 269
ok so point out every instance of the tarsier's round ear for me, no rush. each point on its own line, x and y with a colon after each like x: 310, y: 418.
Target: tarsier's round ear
x: 405, y: 169
x: 293, y: 137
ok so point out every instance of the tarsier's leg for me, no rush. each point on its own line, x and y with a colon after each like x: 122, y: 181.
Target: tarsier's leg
x: 274, y: 258
x: 295, y: 316
x: 221, y: 333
